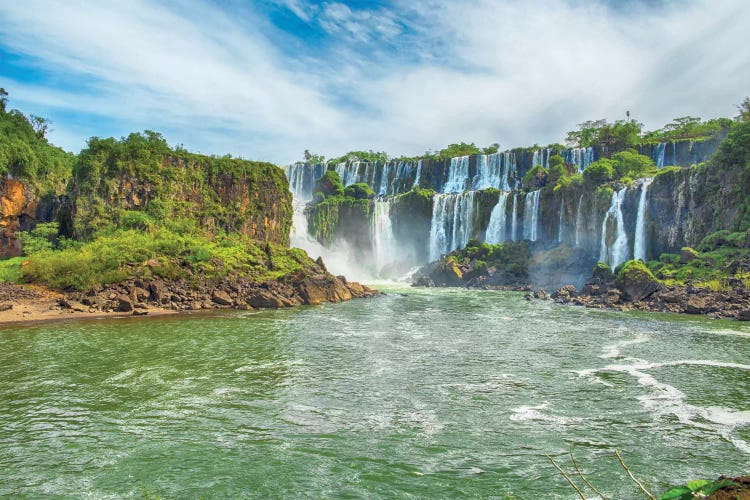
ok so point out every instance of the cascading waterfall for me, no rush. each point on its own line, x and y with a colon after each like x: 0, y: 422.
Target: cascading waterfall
x: 579, y: 220
x: 531, y: 215
x: 383, y: 242
x: 514, y: 219
x: 496, y: 228
x: 581, y: 157
x: 660, y: 149
x: 458, y: 174
x: 419, y: 173
x: 384, y: 174
x: 560, y: 225
x: 452, y: 221
x: 489, y: 171
x: 617, y: 253
x: 509, y: 171
x: 640, y: 244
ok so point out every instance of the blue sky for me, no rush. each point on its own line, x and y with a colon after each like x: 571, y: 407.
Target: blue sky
x: 267, y: 79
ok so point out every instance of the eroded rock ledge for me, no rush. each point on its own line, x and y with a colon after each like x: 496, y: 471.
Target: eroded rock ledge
x: 645, y: 294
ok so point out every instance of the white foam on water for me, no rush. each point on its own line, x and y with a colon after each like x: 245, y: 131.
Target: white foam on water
x: 665, y: 399
x: 525, y: 413
x: 613, y: 351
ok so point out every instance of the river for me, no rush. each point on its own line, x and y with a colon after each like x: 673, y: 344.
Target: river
x: 424, y: 392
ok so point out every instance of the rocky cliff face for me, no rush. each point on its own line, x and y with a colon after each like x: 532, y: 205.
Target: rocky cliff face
x: 250, y: 199
x: 21, y: 209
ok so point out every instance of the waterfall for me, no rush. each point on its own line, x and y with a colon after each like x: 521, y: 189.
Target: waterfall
x: 580, y: 157
x: 660, y: 149
x: 617, y: 253
x: 383, y: 184
x: 536, y: 158
x: 458, y: 174
x: 452, y: 221
x: 419, y: 173
x: 383, y: 242
x: 579, y: 220
x: 489, y: 171
x: 514, y: 219
x: 531, y: 215
x: 496, y: 228
x: 560, y: 226
x: 508, y: 174
x: 640, y: 244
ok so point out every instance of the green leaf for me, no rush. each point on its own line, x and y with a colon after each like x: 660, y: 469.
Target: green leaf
x: 697, y: 484
x: 678, y: 493
x: 716, y: 485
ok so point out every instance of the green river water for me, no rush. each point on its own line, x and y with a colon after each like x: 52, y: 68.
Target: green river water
x: 436, y: 393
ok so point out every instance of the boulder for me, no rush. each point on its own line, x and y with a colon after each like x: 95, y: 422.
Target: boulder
x: 123, y: 303
x: 636, y: 281
x: 540, y: 294
x: 744, y: 315
x: 687, y: 255
x: 222, y: 298
x: 697, y: 305
x: 264, y: 299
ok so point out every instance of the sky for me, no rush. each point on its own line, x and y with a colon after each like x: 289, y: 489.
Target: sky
x: 267, y: 79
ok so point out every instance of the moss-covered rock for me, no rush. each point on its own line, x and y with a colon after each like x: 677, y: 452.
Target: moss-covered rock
x: 602, y: 273
x: 636, y: 281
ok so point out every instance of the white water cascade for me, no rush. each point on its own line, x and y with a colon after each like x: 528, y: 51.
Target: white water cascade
x: 560, y: 225
x: 660, y: 149
x: 640, y: 244
x: 617, y: 253
x: 452, y: 221
x: 581, y: 157
x: 458, y: 174
x: 579, y: 221
x: 531, y: 215
x: 496, y: 228
x: 514, y: 219
x: 383, y: 242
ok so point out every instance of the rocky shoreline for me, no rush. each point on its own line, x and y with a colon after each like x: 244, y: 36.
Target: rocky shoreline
x: 138, y: 297
x: 732, y: 303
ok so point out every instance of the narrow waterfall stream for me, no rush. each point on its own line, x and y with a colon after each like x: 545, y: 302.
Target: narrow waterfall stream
x: 496, y: 227
x: 640, y: 245
x: 452, y: 222
x: 531, y: 216
x: 615, y: 253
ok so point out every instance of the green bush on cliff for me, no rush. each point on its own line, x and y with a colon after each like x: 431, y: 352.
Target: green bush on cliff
x: 599, y: 172
x: 10, y: 270
x: 26, y: 155
x: 359, y: 191
x: 724, y: 238
x: 329, y: 184
x: 631, y: 164
x: 535, y: 178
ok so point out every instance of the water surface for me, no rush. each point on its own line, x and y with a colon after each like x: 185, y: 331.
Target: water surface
x: 442, y: 393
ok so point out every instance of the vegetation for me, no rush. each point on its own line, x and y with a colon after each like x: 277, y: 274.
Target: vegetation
x: 10, y: 270
x: 509, y: 258
x: 615, y: 136
x: 714, y: 264
x: 688, y: 127
x: 163, y: 251
x: 371, y: 156
x: 359, y: 191
x: 25, y: 153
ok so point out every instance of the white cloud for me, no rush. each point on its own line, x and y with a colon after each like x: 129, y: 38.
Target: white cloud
x: 412, y: 77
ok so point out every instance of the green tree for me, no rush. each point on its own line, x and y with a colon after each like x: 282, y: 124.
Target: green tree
x: 312, y: 158
x: 744, y: 108
x: 40, y: 126
x: 3, y: 99
x: 599, y: 172
x: 629, y: 163
x: 329, y: 185
x: 491, y: 149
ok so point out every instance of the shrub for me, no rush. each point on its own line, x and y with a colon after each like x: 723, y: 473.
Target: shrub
x: 599, y: 172
x: 329, y: 184
x: 359, y: 191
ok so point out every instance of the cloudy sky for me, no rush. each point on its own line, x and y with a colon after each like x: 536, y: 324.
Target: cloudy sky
x: 266, y: 79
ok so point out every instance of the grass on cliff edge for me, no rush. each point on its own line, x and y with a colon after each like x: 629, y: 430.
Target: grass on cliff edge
x: 10, y: 270
x: 160, y: 252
